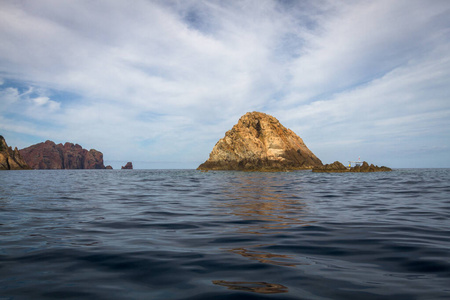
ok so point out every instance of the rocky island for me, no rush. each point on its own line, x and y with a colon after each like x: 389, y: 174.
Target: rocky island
x: 338, y: 167
x: 11, y: 159
x: 49, y: 155
x: 258, y: 142
x: 128, y: 166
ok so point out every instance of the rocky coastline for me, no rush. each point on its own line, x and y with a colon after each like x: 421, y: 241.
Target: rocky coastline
x: 338, y: 167
x: 257, y: 142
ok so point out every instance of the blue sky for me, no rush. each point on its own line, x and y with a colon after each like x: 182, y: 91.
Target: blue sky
x: 160, y: 82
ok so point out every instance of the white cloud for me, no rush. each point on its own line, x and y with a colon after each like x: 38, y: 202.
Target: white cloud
x: 30, y: 104
x: 7, y: 97
x: 360, y: 41
x: 40, y: 101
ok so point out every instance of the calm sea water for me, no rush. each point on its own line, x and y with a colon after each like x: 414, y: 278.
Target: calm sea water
x: 184, y: 234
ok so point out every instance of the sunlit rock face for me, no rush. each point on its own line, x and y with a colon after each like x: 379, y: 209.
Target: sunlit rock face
x: 10, y: 159
x: 258, y: 142
x: 49, y: 155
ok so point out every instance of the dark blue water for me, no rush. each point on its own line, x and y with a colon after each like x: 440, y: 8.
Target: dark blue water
x: 159, y: 234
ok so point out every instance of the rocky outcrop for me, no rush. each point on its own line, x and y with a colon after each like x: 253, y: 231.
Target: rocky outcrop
x: 337, y: 167
x: 128, y: 166
x: 11, y: 159
x: 49, y: 155
x: 258, y: 142
x: 108, y: 167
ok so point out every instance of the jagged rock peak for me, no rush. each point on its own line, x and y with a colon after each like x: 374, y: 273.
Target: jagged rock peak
x: 258, y: 142
x: 11, y: 159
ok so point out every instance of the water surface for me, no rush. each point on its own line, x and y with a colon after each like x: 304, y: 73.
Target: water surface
x: 184, y: 234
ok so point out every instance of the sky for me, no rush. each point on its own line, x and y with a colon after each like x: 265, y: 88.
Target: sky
x: 158, y: 83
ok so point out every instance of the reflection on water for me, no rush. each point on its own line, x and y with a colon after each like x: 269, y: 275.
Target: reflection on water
x: 264, y: 204
x: 264, y: 256
x: 263, y: 199
x: 256, y: 287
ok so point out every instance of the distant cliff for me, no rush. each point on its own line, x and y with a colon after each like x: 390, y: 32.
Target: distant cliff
x: 11, y: 159
x: 258, y: 142
x: 49, y: 155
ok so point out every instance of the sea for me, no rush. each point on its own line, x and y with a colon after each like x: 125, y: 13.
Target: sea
x: 187, y: 234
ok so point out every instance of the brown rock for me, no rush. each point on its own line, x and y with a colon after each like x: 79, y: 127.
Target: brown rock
x: 49, y: 155
x: 337, y: 167
x: 364, y: 167
x: 94, y: 160
x: 128, y: 166
x: 258, y: 142
x: 385, y: 169
x: 11, y: 159
x: 108, y: 167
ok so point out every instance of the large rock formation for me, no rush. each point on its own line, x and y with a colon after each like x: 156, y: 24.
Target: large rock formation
x: 49, y: 155
x: 11, y: 159
x: 258, y: 142
x: 338, y: 167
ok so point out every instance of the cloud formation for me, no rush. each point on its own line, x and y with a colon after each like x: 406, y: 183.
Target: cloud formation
x: 161, y: 81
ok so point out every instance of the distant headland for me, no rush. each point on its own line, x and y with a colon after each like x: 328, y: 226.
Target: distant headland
x: 49, y: 155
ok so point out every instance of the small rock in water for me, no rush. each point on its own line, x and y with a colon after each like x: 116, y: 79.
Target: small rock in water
x: 128, y: 166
